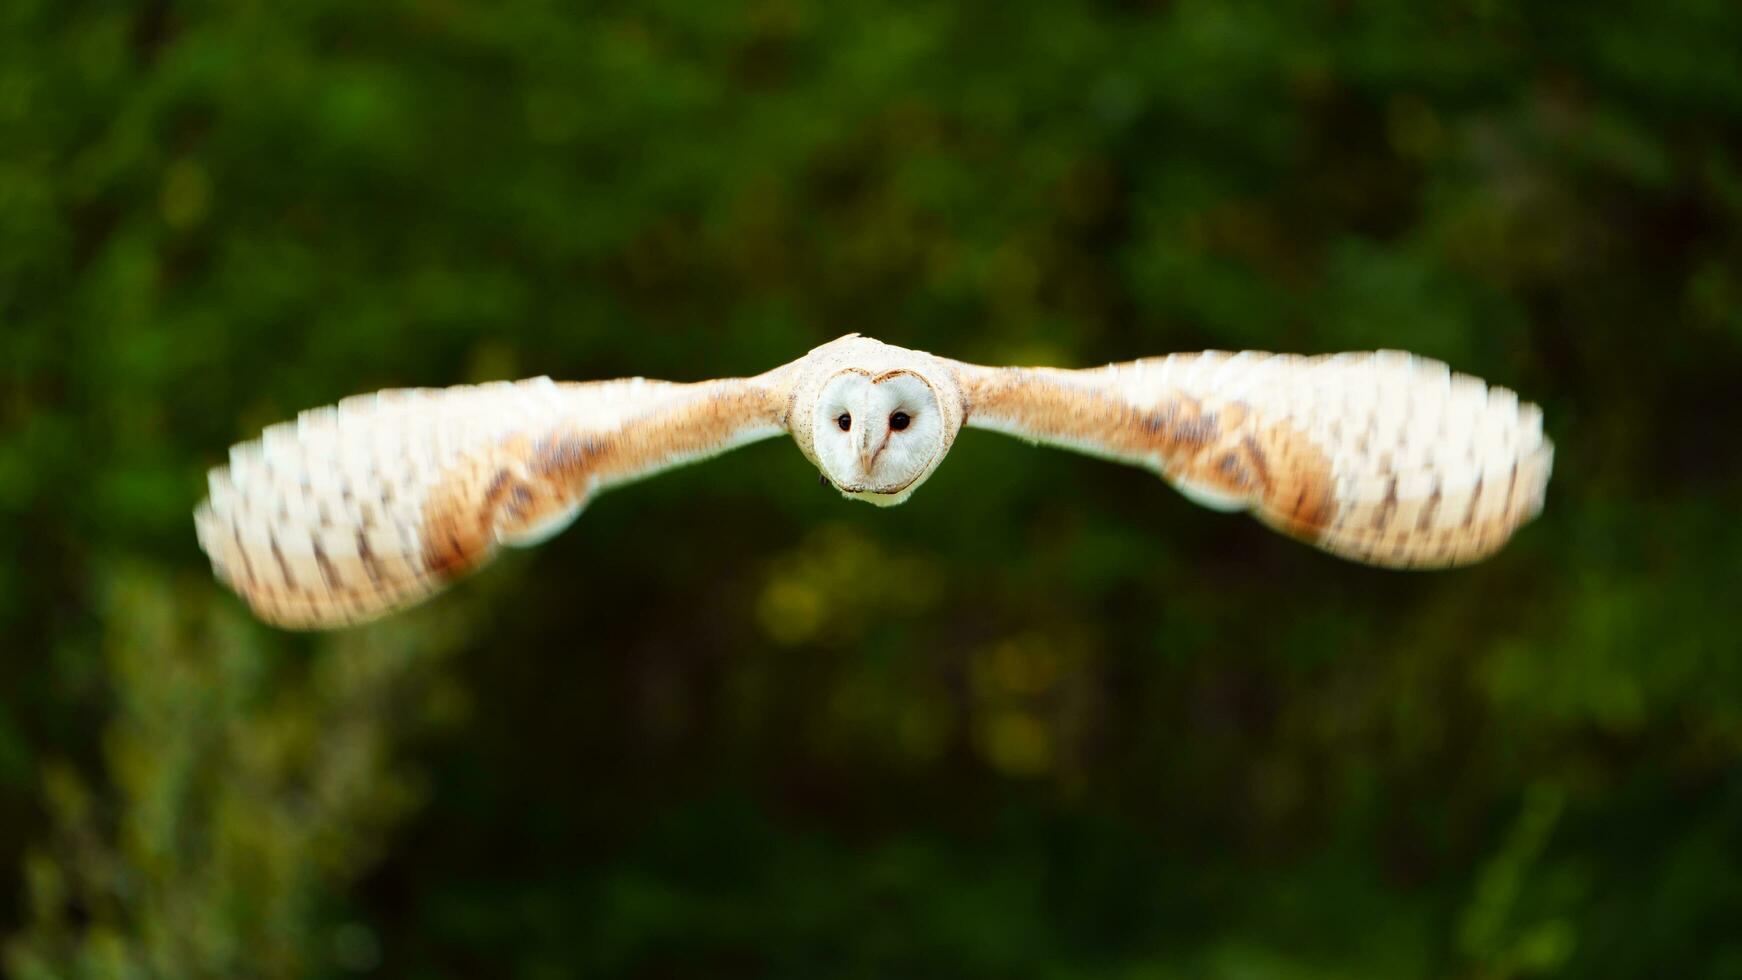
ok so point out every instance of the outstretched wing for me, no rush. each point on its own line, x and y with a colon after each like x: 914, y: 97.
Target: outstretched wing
x: 362, y: 508
x: 1385, y: 458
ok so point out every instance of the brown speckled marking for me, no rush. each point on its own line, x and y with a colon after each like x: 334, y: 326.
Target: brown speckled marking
x: 1299, y: 496
x: 1256, y: 458
x: 329, y: 574
x: 461, y: 514
x: 1475, y: 501
x: 366, y: 554
x: 1511, y: 488
x: 247, y: 563
x: 1387, y: 507
x: 283, y: 566
x: 565, y: 457
x: 1430, y: 511
x: 454, y: 536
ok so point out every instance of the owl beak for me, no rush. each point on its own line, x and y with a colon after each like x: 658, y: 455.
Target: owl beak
x: 867, y: 454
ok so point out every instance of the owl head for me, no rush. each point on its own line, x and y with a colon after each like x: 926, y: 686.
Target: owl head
x: 880, y: 419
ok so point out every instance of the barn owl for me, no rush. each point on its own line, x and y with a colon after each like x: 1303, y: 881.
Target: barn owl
x: 362, y: 508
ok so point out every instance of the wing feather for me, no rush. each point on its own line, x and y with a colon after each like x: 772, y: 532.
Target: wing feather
x: 1385, y: 458
x: 358, y: 509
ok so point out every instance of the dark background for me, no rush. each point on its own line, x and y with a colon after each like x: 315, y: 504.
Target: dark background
x: 1046, y: 720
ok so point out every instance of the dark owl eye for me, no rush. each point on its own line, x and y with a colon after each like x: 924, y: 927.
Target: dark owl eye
x: 845, y: 421
x: 899, y: 421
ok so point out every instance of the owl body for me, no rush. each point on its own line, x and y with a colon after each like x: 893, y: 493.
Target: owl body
x: 371, y: 505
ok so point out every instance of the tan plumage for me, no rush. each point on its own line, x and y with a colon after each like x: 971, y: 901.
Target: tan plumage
x: 354, y: 511
x: 1384, y: 458
x: 374, y: 504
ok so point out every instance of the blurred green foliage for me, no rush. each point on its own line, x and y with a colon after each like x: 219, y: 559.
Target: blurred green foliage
x: 1046, y: 720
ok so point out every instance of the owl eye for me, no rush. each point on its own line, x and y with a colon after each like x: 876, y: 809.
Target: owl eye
x: 845, y: 421
x: 899, y: 421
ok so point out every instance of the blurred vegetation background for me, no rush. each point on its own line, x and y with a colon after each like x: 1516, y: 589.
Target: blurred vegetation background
x: 1048, y: 719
